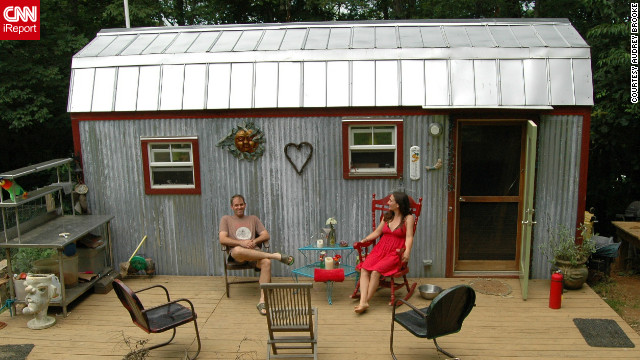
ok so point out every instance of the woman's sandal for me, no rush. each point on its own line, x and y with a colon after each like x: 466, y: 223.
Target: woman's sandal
x: 286, y: 259
x: 262, y: 309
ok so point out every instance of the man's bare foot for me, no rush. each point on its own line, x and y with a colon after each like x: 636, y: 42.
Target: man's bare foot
x: 361, y: 308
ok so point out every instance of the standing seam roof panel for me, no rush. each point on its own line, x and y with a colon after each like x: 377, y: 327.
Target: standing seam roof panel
x: 139, y: 44
x: 466, y: 64
x: 204, y: 42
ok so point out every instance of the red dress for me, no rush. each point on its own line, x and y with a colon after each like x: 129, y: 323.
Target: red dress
x: 383, y: 258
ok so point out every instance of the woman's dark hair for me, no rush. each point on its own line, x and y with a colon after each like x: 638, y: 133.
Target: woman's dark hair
x: 403, y: 204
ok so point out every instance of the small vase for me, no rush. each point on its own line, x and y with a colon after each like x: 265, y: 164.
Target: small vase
x: 332, y: 236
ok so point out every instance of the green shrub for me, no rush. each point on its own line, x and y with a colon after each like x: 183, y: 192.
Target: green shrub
x: 562, y: 246
x: 24, y: 258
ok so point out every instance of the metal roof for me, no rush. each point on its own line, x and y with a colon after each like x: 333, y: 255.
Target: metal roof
x: 495, y: 63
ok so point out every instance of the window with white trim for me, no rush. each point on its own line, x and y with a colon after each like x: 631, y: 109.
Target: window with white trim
x: 372, y: 148
x: 171, y: 165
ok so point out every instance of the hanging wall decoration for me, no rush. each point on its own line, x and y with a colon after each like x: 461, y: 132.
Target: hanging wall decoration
x: 244, y: 141
x: 299, y: 155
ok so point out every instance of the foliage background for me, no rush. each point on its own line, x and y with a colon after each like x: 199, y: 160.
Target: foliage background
x: 35, y: 74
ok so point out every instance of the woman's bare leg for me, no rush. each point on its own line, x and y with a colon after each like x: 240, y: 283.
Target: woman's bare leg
x: 374, y: 282
x: 364, y: 291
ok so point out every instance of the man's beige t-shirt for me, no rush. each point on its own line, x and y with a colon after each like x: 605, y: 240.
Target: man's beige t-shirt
x: 245, y: 228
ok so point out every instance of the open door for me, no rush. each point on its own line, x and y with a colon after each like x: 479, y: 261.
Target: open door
x: 490, y: 162
x: 527, y: 207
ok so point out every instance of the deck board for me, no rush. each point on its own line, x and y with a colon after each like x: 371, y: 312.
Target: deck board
x: 497, y: 328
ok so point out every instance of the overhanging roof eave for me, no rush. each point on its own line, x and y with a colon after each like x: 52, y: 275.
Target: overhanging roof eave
x: 333, y: 55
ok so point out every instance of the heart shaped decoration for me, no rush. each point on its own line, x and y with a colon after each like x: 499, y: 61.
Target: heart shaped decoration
x: 300, y: 152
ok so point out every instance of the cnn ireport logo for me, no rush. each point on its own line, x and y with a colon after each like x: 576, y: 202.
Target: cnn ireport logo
x: 19, y: 19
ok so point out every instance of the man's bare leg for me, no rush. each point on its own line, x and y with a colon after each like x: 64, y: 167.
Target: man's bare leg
x: 265, y: 275
x: 242, y: 254
x: 263, y: 262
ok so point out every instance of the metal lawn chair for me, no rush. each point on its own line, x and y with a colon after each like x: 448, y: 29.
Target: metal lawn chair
x: 442, y: 317
x: 292, y: 322
x: 157, y: 319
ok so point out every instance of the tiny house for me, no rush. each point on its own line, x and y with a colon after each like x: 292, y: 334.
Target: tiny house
x: 486, y: 120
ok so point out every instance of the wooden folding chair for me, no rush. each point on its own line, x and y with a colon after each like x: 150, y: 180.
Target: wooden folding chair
x: 232, y: 265
x: 289, y: 312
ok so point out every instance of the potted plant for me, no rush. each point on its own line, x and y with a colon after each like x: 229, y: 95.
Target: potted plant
x: 22, y: 263
x: 569, y: 256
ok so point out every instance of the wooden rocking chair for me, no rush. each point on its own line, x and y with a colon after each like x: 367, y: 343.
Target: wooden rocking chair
x: 378, y: 208
x: 289, y: 311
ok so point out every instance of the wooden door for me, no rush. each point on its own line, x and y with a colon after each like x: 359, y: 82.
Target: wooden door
x: 490, y: 160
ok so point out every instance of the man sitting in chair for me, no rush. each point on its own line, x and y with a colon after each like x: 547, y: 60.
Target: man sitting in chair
x: 244, y: 234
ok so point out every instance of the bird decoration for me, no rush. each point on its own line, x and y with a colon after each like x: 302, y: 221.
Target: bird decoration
x: 13, y: 189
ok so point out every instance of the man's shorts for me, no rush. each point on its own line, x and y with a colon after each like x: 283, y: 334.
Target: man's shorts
x: 230, y: 259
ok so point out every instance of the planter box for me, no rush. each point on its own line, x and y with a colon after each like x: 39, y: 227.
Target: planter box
x: 91, y: 259
x: 50, y: 266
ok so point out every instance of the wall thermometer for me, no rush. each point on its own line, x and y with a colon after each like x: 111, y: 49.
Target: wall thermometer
x: 414, y: 167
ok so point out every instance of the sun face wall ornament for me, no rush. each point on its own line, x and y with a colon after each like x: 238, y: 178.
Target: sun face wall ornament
x: 244, y: 141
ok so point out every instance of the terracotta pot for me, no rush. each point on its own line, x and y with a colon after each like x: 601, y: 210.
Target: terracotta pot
x: 574, y: 276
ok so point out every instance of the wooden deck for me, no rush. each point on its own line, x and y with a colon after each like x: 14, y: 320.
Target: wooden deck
x: 231, y: 328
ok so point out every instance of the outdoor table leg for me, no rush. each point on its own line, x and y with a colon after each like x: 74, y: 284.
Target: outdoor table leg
x: 329, y: 291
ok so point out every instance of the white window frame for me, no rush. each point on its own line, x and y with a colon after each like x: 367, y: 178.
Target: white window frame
x: 160, y: 165
x: 152, y: 166
x: 353, y: 126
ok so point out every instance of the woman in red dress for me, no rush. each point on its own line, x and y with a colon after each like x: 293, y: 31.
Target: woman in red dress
x: 397, y: 232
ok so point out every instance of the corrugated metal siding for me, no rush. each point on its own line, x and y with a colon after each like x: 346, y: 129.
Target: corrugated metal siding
x: 112, y: 151
x: 556, y: 197
x: 183, y: 229
x: 431, y: 235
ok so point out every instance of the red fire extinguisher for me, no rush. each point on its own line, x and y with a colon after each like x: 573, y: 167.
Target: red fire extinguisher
x: 555, y: 293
